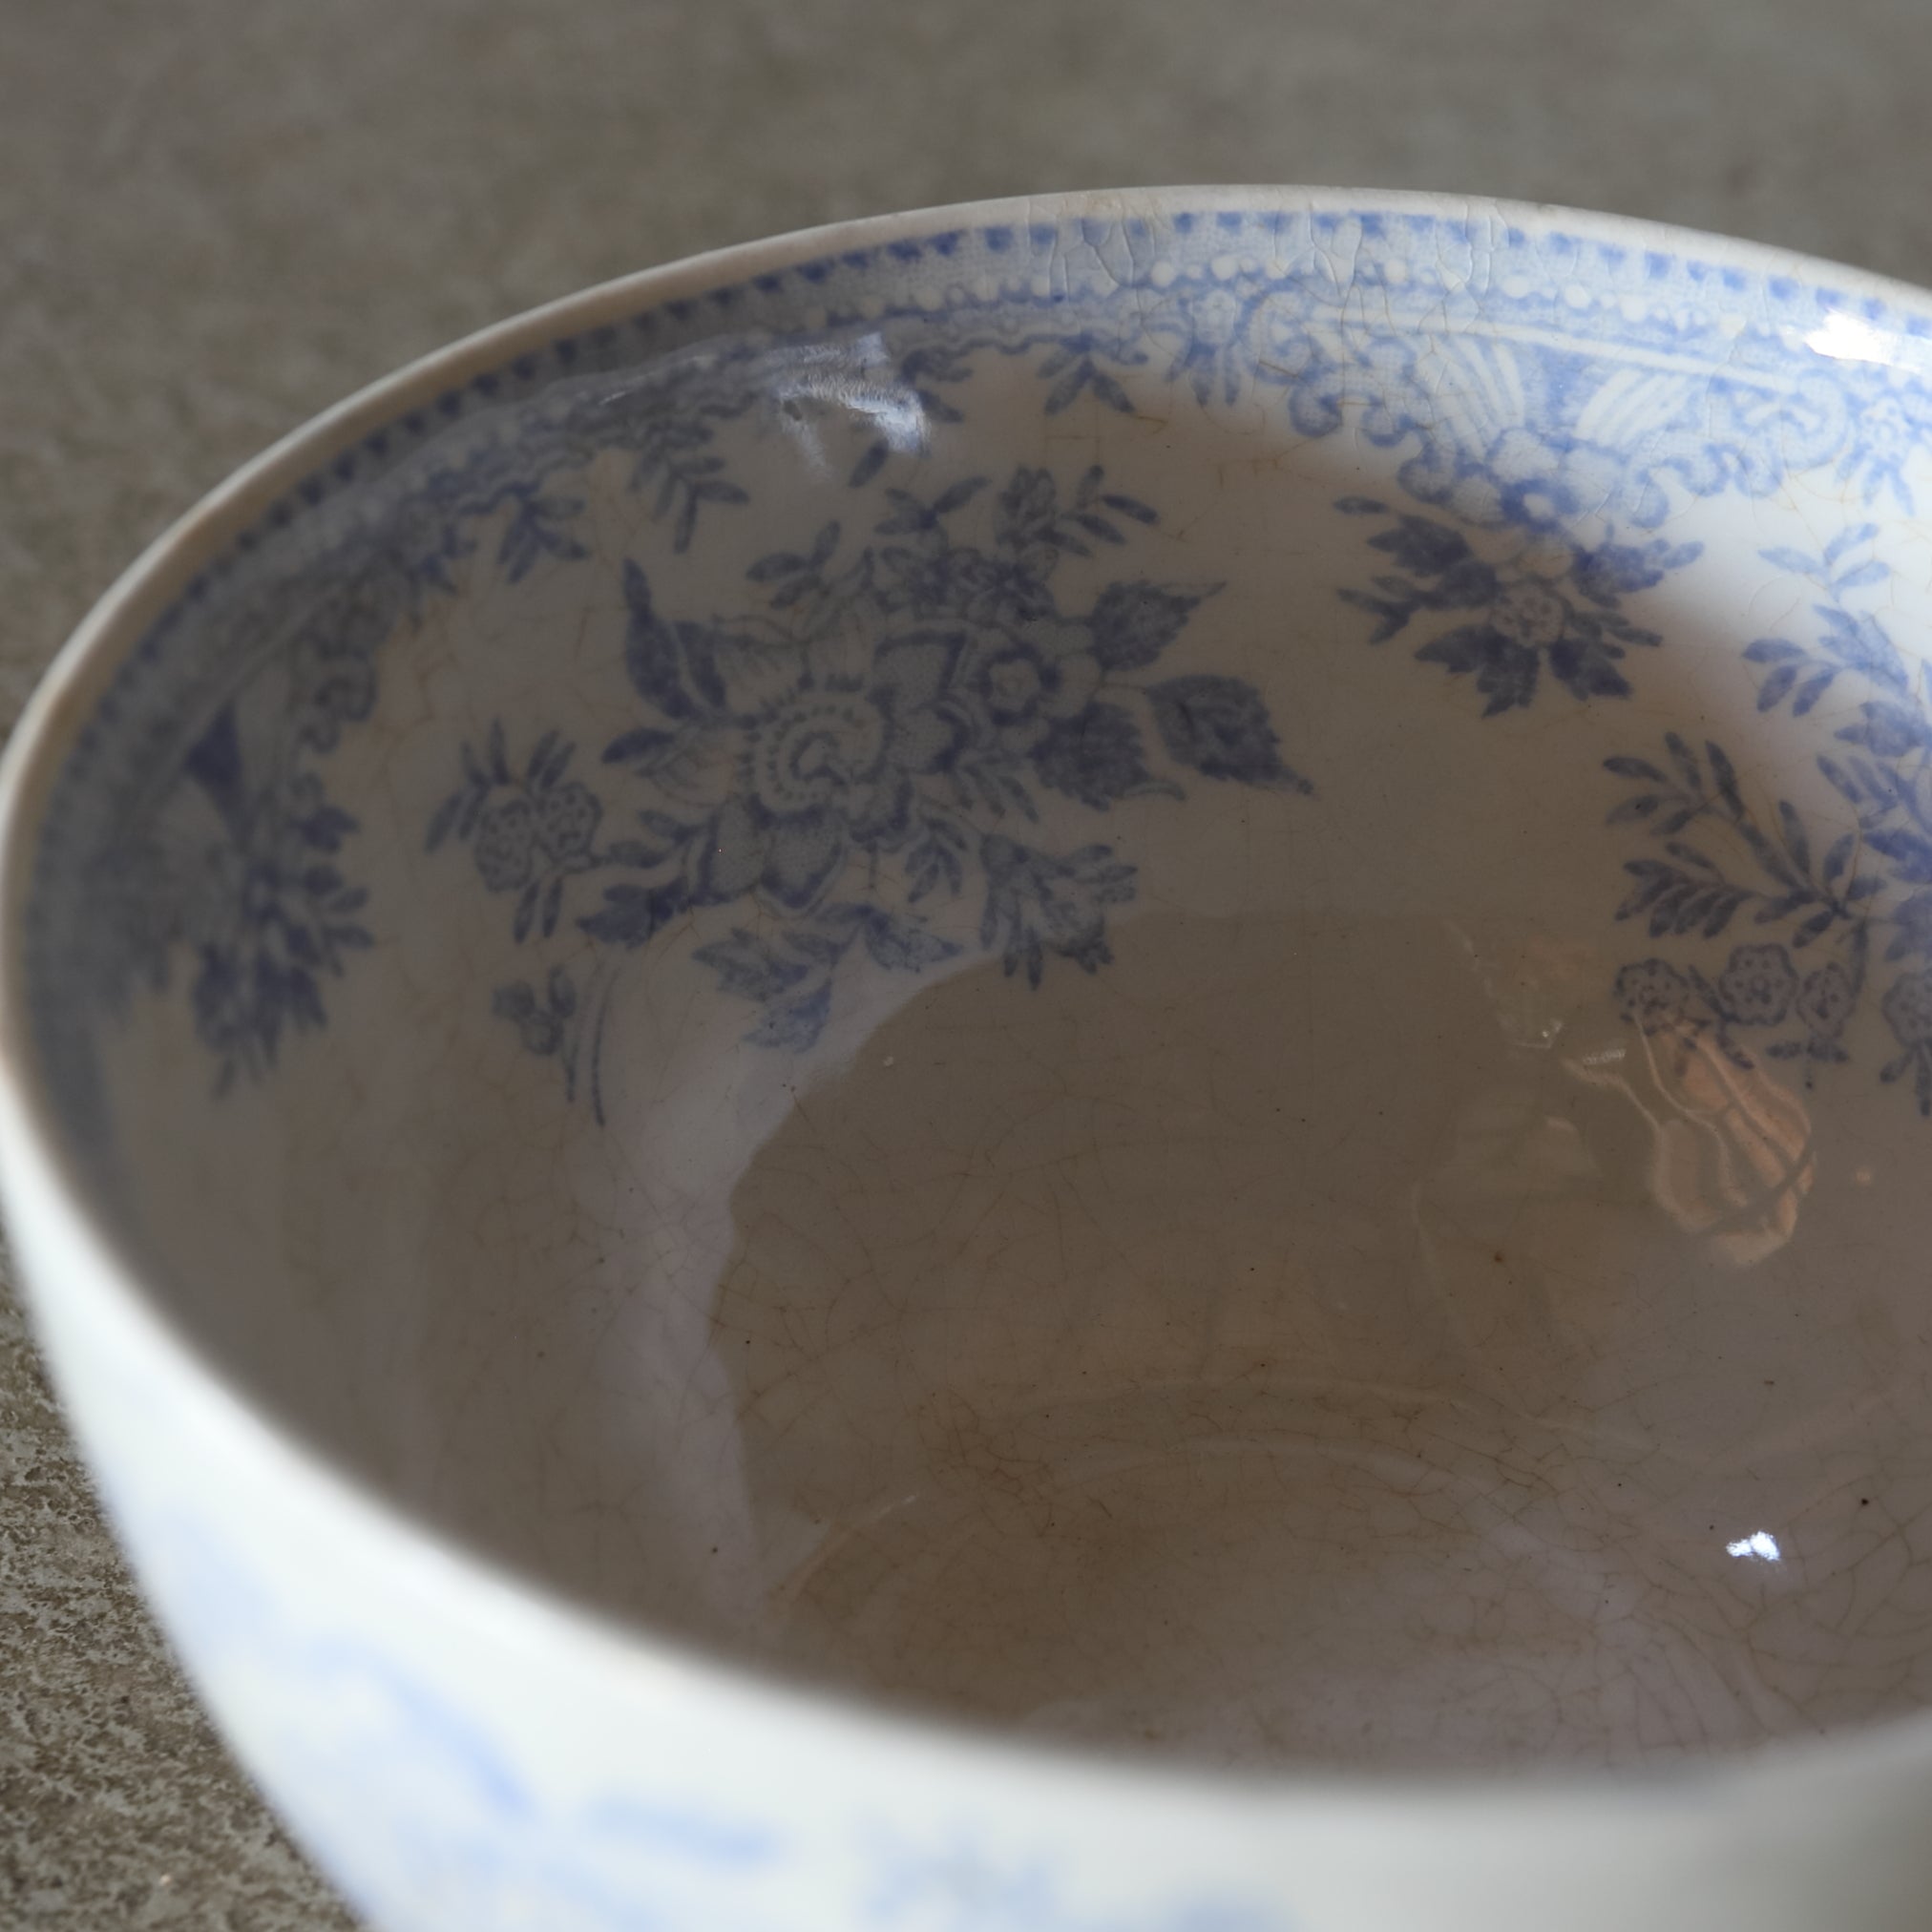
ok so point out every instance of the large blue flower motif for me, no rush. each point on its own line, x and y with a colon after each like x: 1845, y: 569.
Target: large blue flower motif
x: 822, y: 748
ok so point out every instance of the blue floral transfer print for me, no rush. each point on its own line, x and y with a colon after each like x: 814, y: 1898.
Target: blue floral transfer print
x: 878, y: 735
x: 1515, y: 612
x: 1847, y: 910
x: 406, y: 1789
x: 1541, y: 404
x: 251, y: 888
x: 962, y: 1888
x: 264, y: 909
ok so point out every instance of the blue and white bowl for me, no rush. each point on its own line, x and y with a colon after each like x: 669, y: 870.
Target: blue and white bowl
x: 1060, y: 1067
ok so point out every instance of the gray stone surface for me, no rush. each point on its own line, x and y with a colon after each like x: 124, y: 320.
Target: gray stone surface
x: 217, y: 216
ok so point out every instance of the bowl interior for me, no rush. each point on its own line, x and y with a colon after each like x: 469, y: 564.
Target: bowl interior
x: 1167, y: 976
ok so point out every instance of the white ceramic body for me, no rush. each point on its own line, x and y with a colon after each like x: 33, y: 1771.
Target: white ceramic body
x: 459, y: 1753
x: 464, y: 1750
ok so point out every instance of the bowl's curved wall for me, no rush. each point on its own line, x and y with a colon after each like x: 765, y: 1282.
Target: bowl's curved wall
x: 704, y: 942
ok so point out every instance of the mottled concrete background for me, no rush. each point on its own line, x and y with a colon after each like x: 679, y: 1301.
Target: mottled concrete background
x: 217, y: 216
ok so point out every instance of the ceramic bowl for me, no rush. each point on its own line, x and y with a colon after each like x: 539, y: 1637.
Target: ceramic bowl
x: 1059, y: 1066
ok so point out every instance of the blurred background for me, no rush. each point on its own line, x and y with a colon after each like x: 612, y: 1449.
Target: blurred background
x: 219, y: 215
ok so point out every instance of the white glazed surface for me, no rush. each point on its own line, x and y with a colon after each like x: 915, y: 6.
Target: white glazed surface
x: 1388, y: 1310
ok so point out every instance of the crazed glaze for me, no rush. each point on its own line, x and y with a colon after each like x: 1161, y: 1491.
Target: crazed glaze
x: 1156, y: 975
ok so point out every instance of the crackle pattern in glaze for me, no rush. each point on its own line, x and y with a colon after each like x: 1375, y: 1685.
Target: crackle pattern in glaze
x: 558, y: 943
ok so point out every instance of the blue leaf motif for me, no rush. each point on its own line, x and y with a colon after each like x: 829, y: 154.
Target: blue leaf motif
x: 1910, y: 852
x: 1423, y: 546
x: 1506, y: 672
x: 651, y: 650
x: 1134, y: 622
x: 1889, y: 730
x: 632, y: 915
x: 1038, y: 904
x: 1220, y: 727
x: 901, y: 946
x: 1849, y: 538
x: 1912, y: 927
x: 641, y: 747
x: 797, y: 1025
x: 1096, y: 756
x: 214, y: 762
x: 750, y: 968
x: 1859, y: 642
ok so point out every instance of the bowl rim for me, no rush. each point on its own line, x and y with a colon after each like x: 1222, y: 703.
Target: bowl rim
x: 42, y: 1165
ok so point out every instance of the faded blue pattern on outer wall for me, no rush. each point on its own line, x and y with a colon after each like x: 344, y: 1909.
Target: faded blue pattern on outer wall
x: 440, y: 1806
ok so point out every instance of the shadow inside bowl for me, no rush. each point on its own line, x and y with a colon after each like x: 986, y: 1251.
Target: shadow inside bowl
x: 1372, y: 1314
x: 1097, y: 1374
